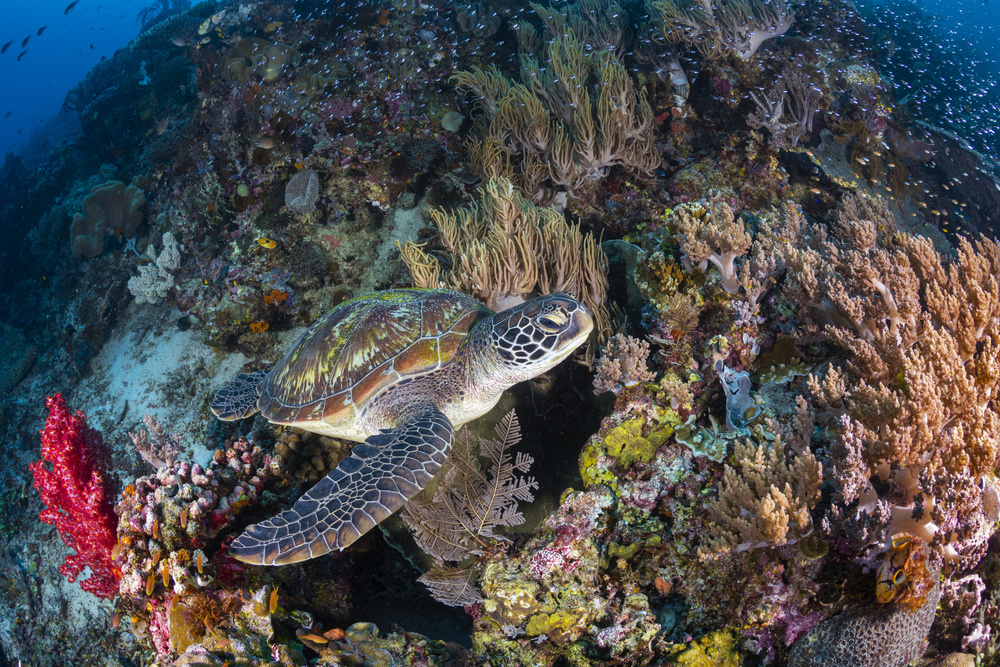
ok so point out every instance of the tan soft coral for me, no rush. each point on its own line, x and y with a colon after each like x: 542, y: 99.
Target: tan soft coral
x: 916, y: 394
x: 504, y: 250
x: 709, y: 232
x: 764, y: 500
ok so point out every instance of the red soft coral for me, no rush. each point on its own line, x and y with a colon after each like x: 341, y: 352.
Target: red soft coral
x: 78, y: 497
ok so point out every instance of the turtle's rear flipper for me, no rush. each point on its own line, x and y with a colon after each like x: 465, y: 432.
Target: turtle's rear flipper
x: 238, y: 399
x: 376, y: 480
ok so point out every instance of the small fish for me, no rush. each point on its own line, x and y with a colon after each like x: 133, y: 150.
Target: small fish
x: 21, y: 55
x: 41, y: 30
x: 197, y: 561
x: 184, y: 516
x: 92, y: 47
x: 156, y: 558
x: 315, y: 638
x: 24, y: 42
x: 116, y: 620
x: 205, y: 26
x: 266, y: 242
x: 166, y: 575
x: 6, y: 46
x: 70, y: 7
x: 265, y: 143
x: 218, y: 16
x: 151, y: 583
x: 274, y: 601
x: 161, y: 127
x: 179, y: 41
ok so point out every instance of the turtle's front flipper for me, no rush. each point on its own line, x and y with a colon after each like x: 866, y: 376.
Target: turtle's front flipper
x: 376, y: 480
x: 238, y: 399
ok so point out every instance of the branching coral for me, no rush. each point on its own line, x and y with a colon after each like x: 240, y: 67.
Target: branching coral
x: 719, y: 28
x: 917, y: 394
x: 505, y: 250
x: 765, y: 500
x: 622, y: 364
x: 77, y: 495
x: 708, y: 232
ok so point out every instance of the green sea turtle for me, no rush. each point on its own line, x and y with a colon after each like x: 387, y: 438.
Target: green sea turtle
x: 397, y: 371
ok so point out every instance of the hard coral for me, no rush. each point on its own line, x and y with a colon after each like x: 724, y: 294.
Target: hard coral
x: 886, y: 636
x: 171, y: 515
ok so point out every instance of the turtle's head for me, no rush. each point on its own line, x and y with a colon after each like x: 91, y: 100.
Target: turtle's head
x: 534, y: 336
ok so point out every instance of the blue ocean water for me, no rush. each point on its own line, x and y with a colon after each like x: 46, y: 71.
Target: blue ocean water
x: 32, y: 89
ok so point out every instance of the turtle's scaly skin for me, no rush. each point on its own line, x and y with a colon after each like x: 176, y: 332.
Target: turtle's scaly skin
x: 398, y: 370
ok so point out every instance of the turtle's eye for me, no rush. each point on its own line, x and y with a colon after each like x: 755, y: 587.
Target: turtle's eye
x: 552, y: 321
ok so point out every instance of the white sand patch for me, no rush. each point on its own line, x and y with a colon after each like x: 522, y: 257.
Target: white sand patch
x: 149, y: 366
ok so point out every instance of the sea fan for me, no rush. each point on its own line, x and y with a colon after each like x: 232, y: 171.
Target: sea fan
x: 468, y: 504
x: 453, y: 586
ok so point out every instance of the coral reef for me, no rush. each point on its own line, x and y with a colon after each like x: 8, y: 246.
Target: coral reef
x: 791, y: 456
